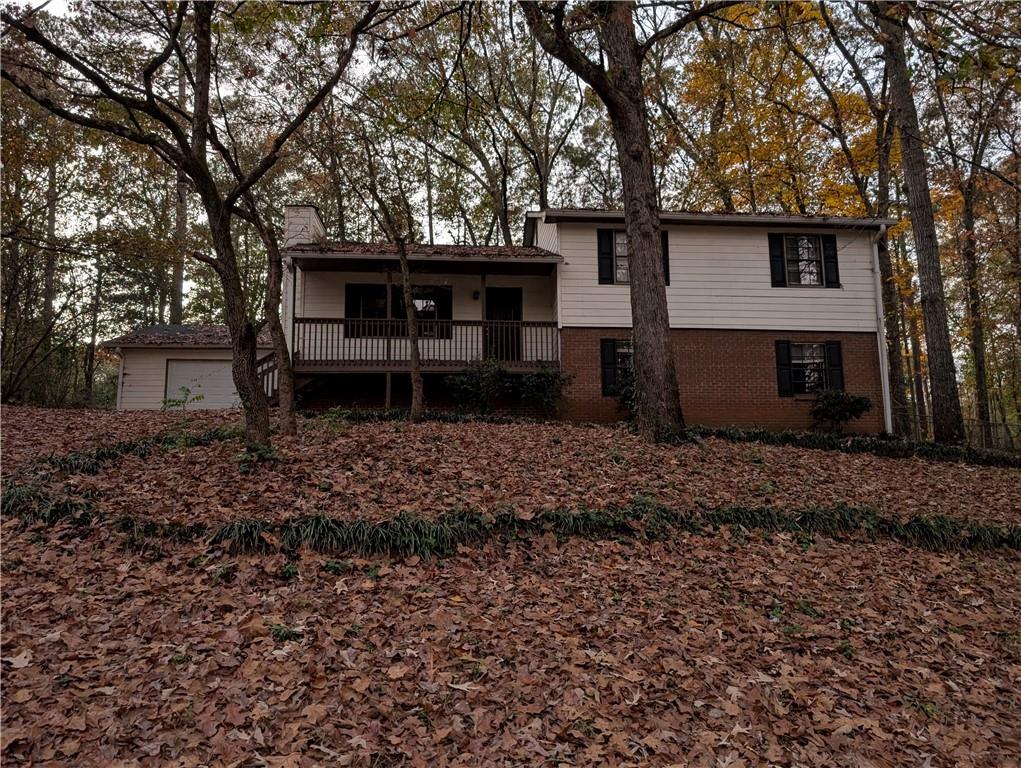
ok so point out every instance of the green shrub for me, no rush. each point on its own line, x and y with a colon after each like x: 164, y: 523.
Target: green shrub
x: 544, y: 390
x: 480, y: 386
x: 833, y: 408
x: 885, y: 446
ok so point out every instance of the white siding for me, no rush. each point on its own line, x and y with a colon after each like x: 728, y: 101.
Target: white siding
x: 321, y: 295
x: 719, y: 278
x: 144, y: 377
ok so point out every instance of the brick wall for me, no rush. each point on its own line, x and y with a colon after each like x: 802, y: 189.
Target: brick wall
x: 726, y: 377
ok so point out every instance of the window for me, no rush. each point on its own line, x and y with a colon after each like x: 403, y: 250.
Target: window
x: 617, y: 363
x: 808, y: 368
x: 621, y: 267
x: 800, y: 259
x: 803, y: 257
x: 614, y: 258
x: 433, y: 304
x: 365, y: 309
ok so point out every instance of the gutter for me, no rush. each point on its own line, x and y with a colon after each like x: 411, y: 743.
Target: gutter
x: 723, y: 219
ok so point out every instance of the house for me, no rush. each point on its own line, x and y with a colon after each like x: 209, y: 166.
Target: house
x: 764, y: 310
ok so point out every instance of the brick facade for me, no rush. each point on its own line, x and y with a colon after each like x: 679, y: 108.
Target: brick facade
x: 726, y: 377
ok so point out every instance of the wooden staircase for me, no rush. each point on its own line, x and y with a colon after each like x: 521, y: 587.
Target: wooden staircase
x: 266, y: 368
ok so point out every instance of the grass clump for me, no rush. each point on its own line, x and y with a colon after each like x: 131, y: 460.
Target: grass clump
x: 242, y: 537
x: 281, y: 633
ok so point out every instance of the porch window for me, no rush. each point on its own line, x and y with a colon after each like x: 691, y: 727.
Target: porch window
x: 365, y: 310
x: 434, y: 308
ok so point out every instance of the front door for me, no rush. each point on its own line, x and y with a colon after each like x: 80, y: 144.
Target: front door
x: 503, y: 327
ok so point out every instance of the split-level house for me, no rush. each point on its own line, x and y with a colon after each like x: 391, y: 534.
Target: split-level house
x: 765, y: 310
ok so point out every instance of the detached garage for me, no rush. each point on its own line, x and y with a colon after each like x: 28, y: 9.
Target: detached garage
x: 167, y: 362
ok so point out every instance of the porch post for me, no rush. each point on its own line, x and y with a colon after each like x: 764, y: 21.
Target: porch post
x: 387, y: 322
x: 389, y: 335
x: 482, y: 325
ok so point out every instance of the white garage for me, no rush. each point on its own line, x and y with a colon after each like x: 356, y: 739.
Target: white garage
x: 201, y: 383
x: 161, y: 364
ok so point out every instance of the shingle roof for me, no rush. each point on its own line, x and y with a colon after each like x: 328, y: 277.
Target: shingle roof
x: 426, y: 251
x: 195, y: 335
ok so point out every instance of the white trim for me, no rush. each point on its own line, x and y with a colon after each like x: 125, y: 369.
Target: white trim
x: 884, y: 369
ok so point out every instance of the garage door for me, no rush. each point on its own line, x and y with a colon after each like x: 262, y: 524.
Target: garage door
x: 209, y: 378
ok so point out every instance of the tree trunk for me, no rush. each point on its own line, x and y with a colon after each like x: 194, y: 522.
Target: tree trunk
x: 49, y: 269
x: 894, y: 361
x: 969, y: 255
x: 429, y: 196
x: 888, y: 282
x: 180, y: 228
x: 946, y: 405
x: 915, y: 339
x: 274, y: 283
x: 243, y: 338
x: 90, y: 352
x: 417, y: 394
x: 658, y: 404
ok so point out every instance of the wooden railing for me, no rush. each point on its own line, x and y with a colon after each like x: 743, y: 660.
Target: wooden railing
x: 339, y: 344
x: 266, y: 370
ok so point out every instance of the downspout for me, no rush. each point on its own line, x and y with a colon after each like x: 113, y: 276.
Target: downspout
x: 293, y: 269
x: 884, y: 369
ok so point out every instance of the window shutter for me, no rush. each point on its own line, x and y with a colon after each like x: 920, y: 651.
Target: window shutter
x: 834, y: 366
x: 608, y: 364
x: 664, y: 240
x: 605, y: 241
x: 831, y: 274
x: 777, y: 269
x: 783, y: 369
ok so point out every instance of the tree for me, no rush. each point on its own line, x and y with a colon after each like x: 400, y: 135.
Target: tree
x: 948, y: 427
x: 80, y: 83
x: 838, y: 125
x: 385, y: 194
x: 619, y: 84
x: 971, y: 89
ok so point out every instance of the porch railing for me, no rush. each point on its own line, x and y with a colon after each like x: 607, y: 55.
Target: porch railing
x: 378, y: 344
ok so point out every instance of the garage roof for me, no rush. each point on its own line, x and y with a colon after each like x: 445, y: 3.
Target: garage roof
x: 195, y: 335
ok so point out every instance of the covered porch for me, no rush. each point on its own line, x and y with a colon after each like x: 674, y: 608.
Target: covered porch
x: 472, y: 303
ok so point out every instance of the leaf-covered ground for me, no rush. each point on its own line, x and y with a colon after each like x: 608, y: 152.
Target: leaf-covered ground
x: 731, y: 649
x: 375, y: 470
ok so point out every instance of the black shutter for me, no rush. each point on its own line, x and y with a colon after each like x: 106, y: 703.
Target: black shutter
x: 605, y: 239
x: 783, y: 369
x: 777, y: 270
x: 608, y: 365
x: 664, y: 241
x: 834, y: 366
x: 831, y: 273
